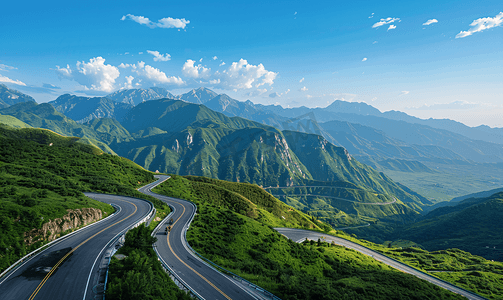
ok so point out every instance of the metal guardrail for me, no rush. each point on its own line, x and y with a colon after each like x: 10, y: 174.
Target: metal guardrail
x: 397, y: 261
x: 267, y: 295
x: 147, y: 219
x: 172, y: 274
x: 35, y: 252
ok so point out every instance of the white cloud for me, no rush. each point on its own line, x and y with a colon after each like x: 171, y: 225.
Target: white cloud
x: 215, y: 57
x: 222, y: 64
x: 162, y: 23
x: 301, y: 79
x: 159, y: 57
x: 201, y: 59
x: 364, y: 59
x: 277, y: 95
x: 481, y: 25
x: 385, y: 22
x: 189, y: 70
x: 391, y: 27
x: 129, y: 82
x: 153, y: 75
x: 8, y: 80
x: 304, y: 89
x: 94, y: 75
x: 429, y: 22
x: 404, y: 93
x: 242, y: 75
x: 256, y: 93
x: 371, y: 16
x: 140, y: 53
x: 6, y: 67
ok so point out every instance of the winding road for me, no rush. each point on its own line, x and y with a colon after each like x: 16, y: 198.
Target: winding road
x: 68, y: 269
x: 171, y: 249
x: 299, y: 235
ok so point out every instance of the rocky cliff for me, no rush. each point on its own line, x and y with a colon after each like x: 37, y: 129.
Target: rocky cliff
x: 53, y: 229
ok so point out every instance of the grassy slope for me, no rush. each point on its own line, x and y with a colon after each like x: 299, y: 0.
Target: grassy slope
x: 238, y: 237
x: 475, y: 228
x: 12, y: 121
x: 42, y: 181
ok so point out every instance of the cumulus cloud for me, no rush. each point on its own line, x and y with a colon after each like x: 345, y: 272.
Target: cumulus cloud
x: 162, y: 23
x: 96, y: 76
x: 364, y: 59
x: 242, y: 75
x: 404, y: 93
x: 301, y: 79
x: 192, y: 71
x: 371, y: 16
x: 222, y: 64
x: 8, y: 80
x: 481, y: 25
x: 215, y: 57
x: 93, y: 75
x: 150, y: 74
x: 391, y: 27
x: 159, y: 57
x: 429, y: 22
x: 304, y: 89
x: 129, y: 82
x: 6, y: 67
x: 385, y: 22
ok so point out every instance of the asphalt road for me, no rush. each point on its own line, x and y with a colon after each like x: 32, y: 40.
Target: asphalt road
x: 299, y: 235
x: 207, y: 282
x: 68, y: 269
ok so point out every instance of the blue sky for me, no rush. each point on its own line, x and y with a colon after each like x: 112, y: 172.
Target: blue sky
x: 440, y: 59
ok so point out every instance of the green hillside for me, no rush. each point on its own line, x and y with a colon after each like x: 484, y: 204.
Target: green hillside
x: 44, y: 174
x: 13, y: 122
x: 99, y: 133
x: 182, y: 138
x: 233, y: 229
x: 474, y: 225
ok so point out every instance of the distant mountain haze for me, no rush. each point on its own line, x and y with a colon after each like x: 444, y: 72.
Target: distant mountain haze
x: 137, y: 96
x: 10, y: 97
x: 84, y: 109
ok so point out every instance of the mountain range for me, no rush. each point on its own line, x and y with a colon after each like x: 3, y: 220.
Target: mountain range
x: 402, y: 146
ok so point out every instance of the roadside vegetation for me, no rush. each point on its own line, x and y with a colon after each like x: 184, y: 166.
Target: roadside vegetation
x: 140, y: 275
x: 240, y: 239
x: 43, y: 174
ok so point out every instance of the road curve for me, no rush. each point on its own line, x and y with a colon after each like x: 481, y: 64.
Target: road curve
x: 204, y: 280
x: 68, y: 268
x: 299, y: 235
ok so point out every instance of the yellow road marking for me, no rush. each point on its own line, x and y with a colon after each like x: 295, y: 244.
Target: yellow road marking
x: 53, y: 269
x: 204, y: 278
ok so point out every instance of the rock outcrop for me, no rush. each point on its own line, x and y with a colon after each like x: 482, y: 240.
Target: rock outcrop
x: 53, y: 229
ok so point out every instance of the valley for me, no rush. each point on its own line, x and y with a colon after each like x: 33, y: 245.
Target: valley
x: 351, y: 181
